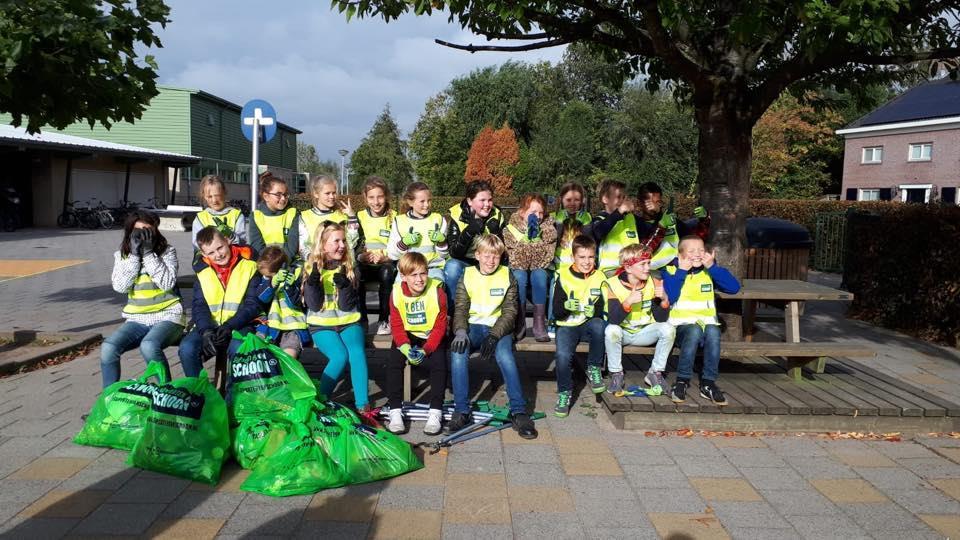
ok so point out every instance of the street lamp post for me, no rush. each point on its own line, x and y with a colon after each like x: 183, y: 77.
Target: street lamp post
x: 343, y: 185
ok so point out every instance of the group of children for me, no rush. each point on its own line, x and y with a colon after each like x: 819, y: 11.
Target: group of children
x: 445, y: 286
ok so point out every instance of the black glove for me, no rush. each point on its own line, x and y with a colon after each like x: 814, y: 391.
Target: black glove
x: 209, y: 343
x: 315, y: 276
x: 149, y: 240
x: 136, y: 240
x: 460, y: 342
x: 223, y: 336
x: 488, y: 347
x: 341, y: 280
x: 474, y: 228
x: 493, y: 226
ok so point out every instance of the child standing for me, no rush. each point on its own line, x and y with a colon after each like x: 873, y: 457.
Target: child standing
x: 484, y: 320
x: 376, y: 222
x: 323, y: 194
x: 418, y: 307
x: 333, y: 314
x: 228, y: 220
x: 578, y: 306
x: 280, y: 288
x: 570, y: 220
x: 629, y: 295
x: 273, y: 220
x: 418, y: 230
x: 690, y: 287
x: 531, y: 241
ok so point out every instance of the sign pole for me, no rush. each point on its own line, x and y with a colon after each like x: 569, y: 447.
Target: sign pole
x: 255, y: 165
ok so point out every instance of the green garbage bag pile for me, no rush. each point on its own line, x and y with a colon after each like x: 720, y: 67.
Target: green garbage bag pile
x: 186, y: 433
x: 263, y: 379
x: 117, y: 418
x: 326, y: 446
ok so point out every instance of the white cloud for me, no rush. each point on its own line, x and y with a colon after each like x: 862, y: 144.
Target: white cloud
x: 326, y: 77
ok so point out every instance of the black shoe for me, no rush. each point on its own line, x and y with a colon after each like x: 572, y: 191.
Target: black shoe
x: 523, y: 425
x: 459, y: 421
x: 679, y: 391
x: 709, y: 390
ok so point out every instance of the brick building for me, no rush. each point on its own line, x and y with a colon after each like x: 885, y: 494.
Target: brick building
x: 908, y: 149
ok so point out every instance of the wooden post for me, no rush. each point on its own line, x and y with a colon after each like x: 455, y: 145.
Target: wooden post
x: 407, y: 383
x: 126, y: 184
x: 792, y: 320
x: 173, y: 190
x: 66, y: 184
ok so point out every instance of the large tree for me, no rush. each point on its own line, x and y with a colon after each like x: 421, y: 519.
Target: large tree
x: 492, y: 157
x: 67, y: 61
x: 382, y: 153
x: 729, y: 59
x: 308, y: 161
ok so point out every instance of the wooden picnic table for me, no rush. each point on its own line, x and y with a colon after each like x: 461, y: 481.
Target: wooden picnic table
x: 789, y: 291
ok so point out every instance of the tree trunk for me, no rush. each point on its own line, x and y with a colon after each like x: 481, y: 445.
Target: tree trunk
x: 725, y: 154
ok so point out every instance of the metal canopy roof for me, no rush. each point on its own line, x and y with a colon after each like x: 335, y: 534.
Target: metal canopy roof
x: 51, y: 140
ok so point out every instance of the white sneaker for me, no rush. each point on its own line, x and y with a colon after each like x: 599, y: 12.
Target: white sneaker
x: 383, y: 329
x: 395, y: 424
x: 434, y: 417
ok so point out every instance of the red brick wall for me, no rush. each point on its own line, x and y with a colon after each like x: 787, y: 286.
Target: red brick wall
x: 942, y: 170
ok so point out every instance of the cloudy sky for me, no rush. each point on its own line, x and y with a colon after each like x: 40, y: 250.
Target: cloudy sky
x: 326, y: 77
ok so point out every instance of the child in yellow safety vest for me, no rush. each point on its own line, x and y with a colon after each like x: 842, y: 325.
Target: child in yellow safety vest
x: 691, y: 286
x: 376, y: 223
x: 571, y: 219
x: 326, y: 209
x: 227, y: 219
x: 280, y: 288
x: 418, y: 322
x: 578, y: 306
x: 629, y: 295
x: 274, y: 223
x: 418, y: 230
x: 333, y: 313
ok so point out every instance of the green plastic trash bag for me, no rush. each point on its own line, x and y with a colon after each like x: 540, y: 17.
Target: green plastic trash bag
x: 341, y: 413
x: 254, y: 439
x: 365, y: 454
x: 262, y: 378
x: 298, y: 467
x: 186, y: 433
x: 117, y: 418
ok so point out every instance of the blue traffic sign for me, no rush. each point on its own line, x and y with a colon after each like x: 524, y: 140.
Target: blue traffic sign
x: 267, y: 120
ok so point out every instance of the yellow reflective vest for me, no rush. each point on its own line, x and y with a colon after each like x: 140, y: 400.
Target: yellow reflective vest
x: 224, y: 303
x: 376, y: 229
x: 284, y: 315
x: 486, y: 293
x: 587, y: 290
x: 641, y: 313
x: 456, y: 214
x: 418, y: 313
x: 274, y: 229
x: 228, y: 220
x: 667, y: 251
x: 696, y: 304
x: 331, y: 314
x: 620, y: 236
x: 147, y: 297
x: 433, y: 222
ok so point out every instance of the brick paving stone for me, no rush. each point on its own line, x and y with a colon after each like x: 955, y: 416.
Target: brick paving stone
x: 465, y: 531
x: 185, y: 528
x: 658, y: 476
x: 610, y: 509
x: 819, y: 467
x: 845, y: 490
x: 751, y: 533
x: 150, y: 490
x: 464, y: 485
x: 753, y: 457
x: 528, y: 474
x: 725, y: 489
x: 198, y: 504
x: 262, y: 519
x: 119, y: 519
x: 939, y: 442
x: 710, y: 466
x: 526, y: 454
x: 794, y: 446
x: 929, y: 501
x: 672, y: 500
x: 804, y: 502
x: 354, y: 504
x: 865, y: 459
x: 406, y: 524
x: 694, y: 446
x: 924, y: 533
x: 886, y: 479
x: 881, y: 517
x: 935, y: 467
x: 953, y: 454
x: 103, y: 478
x: 749, y: 515
x: 549, y: 525
x: 598, y: 484
x: 774, y: 478
x: 415, y: 497
x: 580, y: 445
x: 68, y: 449
x: 525, y: 499
x: 331, y: 530
x: 31, y: 528
x: 947, y: 525
x: 590, y: 465
x: 688, y: 525
x: 25, y: 491
x: 949, y: 486
x: 460, y: 462
x: 642, y: 455
x: 66, y: 504
x: 475, y: 508
x: 637, y: 533
x: 739, y: 442
x: 837, y: 527
x: 544, y: 436
x: 51, y: 468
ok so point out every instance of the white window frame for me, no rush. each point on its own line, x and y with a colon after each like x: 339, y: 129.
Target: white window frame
x: 873, y: 154
x: 862, y: 191
x: 926, y: 193
x: 921, y: 147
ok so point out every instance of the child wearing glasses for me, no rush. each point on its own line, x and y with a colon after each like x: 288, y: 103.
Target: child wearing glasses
x: 273, y: 221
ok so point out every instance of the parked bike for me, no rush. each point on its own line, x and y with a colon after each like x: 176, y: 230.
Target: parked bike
x: 10, y: 209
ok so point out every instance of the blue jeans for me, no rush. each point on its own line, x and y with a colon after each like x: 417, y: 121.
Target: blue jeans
x: 537, y: 278
x: 151, y: 340
x: 690, y: 337
x: 551, y: 289
x: 191, y: 349
x: 452, y: 272
x: 460, y: 372
x: 567, y: 339
x: 340, y: 348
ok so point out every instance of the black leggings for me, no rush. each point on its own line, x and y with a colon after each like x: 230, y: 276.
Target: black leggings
x: 384, y: 274
x: 435, y: 362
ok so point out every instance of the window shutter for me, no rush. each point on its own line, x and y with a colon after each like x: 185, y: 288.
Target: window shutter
x: 851, y: 194
x: 885, y: 194
x: 948, y: 195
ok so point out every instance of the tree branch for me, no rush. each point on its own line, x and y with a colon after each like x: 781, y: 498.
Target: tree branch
x: 905, y: 58
x: 687, y: 67
x: 518, y: 37
x: 504, y: 48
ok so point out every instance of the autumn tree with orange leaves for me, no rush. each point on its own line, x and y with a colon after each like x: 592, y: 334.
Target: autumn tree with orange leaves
x: 492, y: 157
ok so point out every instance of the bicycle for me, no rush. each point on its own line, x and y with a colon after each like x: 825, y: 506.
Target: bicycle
x: 74, y: 216
x: 103, y: 215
